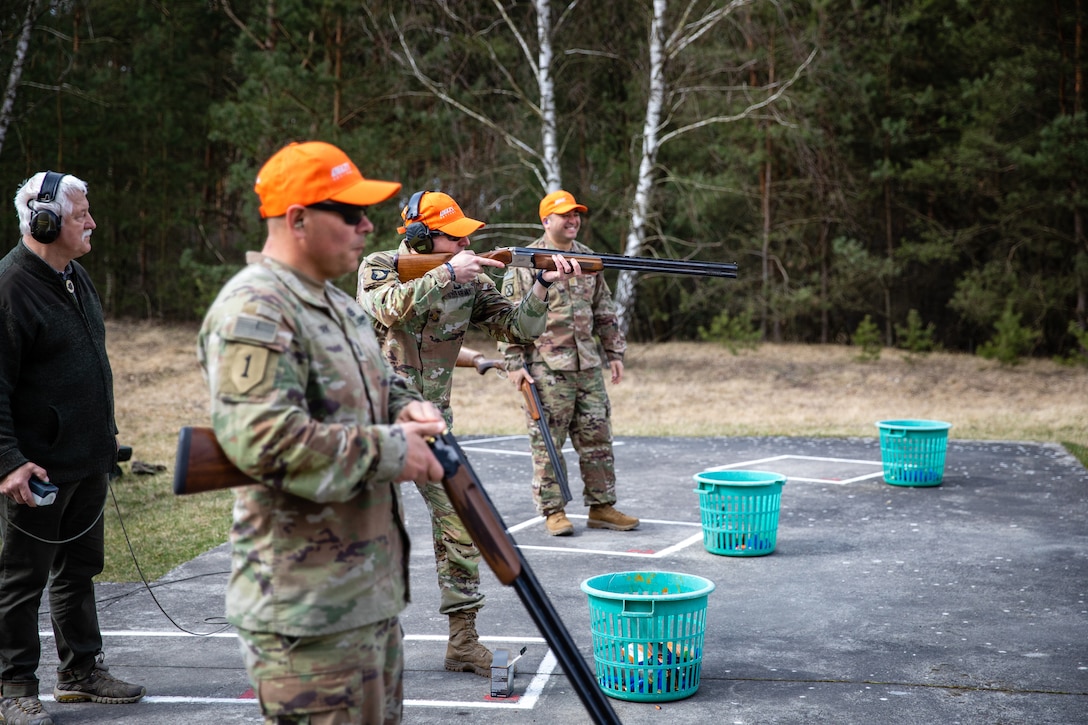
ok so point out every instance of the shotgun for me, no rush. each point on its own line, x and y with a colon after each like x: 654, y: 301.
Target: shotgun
x: 471, y: 359
x: 414, y: 266
x: 532, y: 404
x: 467, y: 358
x: 203, y: 466
x: 487, y: 529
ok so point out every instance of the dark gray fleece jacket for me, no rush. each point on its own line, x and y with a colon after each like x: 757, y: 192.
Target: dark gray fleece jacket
x: 56, y: 386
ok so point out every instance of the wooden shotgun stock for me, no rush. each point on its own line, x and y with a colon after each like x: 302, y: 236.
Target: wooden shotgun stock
x: 202, y: 466
x: 467, y: 358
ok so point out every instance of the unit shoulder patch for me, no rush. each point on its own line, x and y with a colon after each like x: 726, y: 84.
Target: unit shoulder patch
x: 249, y: 367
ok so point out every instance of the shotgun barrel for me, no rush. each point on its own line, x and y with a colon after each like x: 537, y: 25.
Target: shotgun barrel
x: 488, y: 530
x: 414, y: 266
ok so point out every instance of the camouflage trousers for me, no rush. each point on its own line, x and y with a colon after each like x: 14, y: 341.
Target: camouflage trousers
x: 574, y: 403
x: 456, y: 558
x: 345, y: 678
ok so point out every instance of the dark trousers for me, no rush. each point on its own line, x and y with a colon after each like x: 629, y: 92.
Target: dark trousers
x: 28, y: 565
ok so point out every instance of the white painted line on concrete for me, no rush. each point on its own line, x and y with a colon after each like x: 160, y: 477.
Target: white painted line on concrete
x: 172, y: 700
x: 527, y: 701
x: 795, y: 479
x: 232, y: 635
x: 483, y: 638
x: 475, y: 445
x: 149, y: 633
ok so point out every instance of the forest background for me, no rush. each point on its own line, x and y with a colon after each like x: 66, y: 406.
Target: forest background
x: 909, y: 170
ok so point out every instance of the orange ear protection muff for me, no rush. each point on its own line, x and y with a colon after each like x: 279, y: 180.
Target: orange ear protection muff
x: 45, y: 223
x: 417, y: 235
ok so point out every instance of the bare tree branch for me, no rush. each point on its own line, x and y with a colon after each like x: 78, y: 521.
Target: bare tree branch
x: 543, y: 162
x: 747, y: 112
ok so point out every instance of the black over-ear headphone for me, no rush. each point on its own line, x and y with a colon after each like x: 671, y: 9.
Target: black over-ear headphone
x: 417, y: 235
x: 45, y: 223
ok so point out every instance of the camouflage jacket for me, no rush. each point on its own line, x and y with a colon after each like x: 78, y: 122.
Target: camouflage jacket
x: 302, y: 399
x: 422, y: 322
x: 580, y: 315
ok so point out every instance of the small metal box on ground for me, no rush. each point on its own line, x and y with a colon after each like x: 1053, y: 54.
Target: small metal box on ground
x: 503, y: 670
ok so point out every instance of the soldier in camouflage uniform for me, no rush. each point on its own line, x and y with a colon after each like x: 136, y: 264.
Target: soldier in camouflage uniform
x: 422, y: 323
x: 565, y: 362
x: 303, y: 401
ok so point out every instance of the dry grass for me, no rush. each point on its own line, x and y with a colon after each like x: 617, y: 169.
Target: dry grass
x: 676, y: 389
x: 699, y: 389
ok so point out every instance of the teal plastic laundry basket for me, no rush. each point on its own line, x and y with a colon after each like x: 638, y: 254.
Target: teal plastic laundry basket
x: 739, y: 511
x: 648, y: 629
x: 913, y: 451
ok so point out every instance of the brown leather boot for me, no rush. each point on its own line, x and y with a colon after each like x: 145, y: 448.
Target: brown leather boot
x: 558, y: 524
x: 464, y: 653
x: 603, y: 516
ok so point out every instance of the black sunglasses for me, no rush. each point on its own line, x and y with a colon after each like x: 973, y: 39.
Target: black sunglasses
x: 351, y: 214
x: 447, y: 236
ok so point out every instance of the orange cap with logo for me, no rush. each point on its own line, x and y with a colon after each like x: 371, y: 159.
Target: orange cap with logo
x: 306, y: 173
x: 559, y: 202
x: 440, y: 213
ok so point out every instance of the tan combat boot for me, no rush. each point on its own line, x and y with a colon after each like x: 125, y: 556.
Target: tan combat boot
x: 464, y: 653
x: 558, y: 524
x: 23, y: 711
x: 603, y: 516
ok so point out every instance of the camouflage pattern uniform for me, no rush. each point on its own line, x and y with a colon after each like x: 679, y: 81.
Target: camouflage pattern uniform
x: 302, y: 399
x: 568, y: 368
x: 422, y: 324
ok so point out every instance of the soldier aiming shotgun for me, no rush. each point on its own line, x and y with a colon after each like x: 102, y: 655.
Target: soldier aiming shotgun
x: 421, y: 323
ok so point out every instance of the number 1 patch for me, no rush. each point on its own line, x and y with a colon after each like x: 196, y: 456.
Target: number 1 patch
x: 248, y: 366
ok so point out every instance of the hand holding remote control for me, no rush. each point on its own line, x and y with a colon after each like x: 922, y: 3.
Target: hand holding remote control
x: 43, y: 492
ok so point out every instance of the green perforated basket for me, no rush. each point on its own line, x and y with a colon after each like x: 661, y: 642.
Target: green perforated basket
x: 739, y: 511
x: 913, y: 451
x: 648, y: 629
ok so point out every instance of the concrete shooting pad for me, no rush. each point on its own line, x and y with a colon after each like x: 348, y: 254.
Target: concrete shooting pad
x: 965, y: 602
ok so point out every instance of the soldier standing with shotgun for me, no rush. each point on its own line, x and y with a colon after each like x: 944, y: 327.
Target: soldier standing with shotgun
x: 303, y: 401
x: 566, y: 365
x: 422, y: 324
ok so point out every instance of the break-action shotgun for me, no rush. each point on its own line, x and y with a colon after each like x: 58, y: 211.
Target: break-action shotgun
x: 414, y: 266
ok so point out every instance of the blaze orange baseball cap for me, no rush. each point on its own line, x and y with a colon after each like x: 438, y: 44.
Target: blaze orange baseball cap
x: 441, y: 214
x: 559, y: 202
x: 306, y: 173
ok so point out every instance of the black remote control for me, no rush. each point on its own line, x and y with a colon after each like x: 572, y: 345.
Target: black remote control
x: 44, y: 493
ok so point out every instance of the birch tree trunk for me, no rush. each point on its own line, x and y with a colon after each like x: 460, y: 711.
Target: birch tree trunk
x: 636, y: 235
x: 21, y: 46
x: 549, y: 157
x: 663, y: 47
